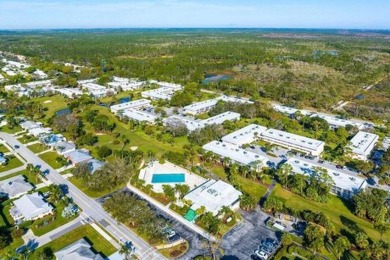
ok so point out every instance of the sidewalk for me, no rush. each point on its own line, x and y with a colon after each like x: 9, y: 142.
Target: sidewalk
x: 14, y: 170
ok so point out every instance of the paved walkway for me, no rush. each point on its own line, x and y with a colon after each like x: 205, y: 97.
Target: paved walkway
x: 56, y: 233
x: 14, y: 170
x: 106, y: 236
x: 171, y: 213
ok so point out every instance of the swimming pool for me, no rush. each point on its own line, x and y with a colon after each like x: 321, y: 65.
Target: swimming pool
x: 168, y: 177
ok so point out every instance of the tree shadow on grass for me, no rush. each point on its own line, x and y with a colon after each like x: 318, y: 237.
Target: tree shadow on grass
x: 350, y: 224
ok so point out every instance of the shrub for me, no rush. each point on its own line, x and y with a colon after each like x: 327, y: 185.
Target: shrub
x: 175, y: 253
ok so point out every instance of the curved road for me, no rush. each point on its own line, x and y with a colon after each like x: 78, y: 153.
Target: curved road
x: 89, y: 206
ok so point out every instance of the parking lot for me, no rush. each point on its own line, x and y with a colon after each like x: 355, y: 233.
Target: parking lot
x: 245, y: 238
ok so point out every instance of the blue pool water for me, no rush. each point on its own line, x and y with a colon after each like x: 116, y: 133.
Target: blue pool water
x: 168, y: 177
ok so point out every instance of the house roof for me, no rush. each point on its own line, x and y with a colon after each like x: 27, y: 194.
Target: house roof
x: 64, y: 147
x: 32, y: 205
x: 78, y: 156
x: 15, y: 186
x: 95, y: 165
x: 213, y: 195
x: 27, y: 125
x: 80, y: 250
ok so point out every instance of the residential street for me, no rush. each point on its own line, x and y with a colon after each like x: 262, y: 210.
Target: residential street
x: 89, y: 206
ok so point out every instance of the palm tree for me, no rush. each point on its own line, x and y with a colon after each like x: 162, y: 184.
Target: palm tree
x: 125, y: 250
x: 283, y: 173
x: 149, y: 188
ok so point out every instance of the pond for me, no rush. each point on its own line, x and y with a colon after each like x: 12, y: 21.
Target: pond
x: 215, y: 77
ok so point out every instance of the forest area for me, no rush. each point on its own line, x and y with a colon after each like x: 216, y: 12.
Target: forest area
x: 304, y: 69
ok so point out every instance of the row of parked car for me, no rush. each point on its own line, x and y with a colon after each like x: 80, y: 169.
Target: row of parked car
x: 266, y: 249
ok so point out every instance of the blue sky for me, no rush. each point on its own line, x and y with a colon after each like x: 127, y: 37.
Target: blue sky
x: 46, y: 14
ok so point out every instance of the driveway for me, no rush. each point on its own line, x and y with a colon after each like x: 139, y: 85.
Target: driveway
x: 245, y: 238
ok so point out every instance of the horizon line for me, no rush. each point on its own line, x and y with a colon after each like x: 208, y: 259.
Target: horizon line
x: 204, y: 28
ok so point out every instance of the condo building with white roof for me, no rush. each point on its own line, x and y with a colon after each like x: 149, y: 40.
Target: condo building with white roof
x: 140, y: 103
x: 221, y: 118
x: 345, y: 185
x: 335, y: 122
x: 139, y: 115
x: 213, y: 195
x: 245, y: 135
x: 362, y: 144
x: 293, y: 141
x: 125, y: 84
x: 69, y: 92
x: 164, y: 93
x: 206, y: 105
x: 96, y: 90
x: 191, y: 123
x: 237, y: 154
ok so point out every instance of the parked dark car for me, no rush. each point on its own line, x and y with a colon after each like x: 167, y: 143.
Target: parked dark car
x: 338, y: 166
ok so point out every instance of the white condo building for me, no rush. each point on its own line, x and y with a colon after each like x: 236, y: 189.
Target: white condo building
x: 204, y: 106
x: 345, y: 185
x: 237, y: 154
x: 293, y: 141
x: 245, y: 135
x: 335, y: 122
x: 213, y: 195
x: 164, y: 92
x: 140, y: 103
x: 221, y: 118
x: 139, y: 115
x: 362, y: 144
x: 125, y: 84
x: 96, y: 90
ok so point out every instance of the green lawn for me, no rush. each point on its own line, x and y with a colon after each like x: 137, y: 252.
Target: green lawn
x: 93, y: 194
x: 59, y: 221
x: 37, y: 148
x: 10, y: 250
x: 137, y: 137
x: 50, y: 158
x: 98, y: 243
x: 336, y: 209
x: 3, y: 149
x: 252, y: 187
x: 11, y: 130
x: 57, y: 103
x: 11, y: 164
x: 32, y: 178
x: 27, y: 139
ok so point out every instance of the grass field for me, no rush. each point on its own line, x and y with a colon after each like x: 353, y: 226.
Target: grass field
x: 27, y: 174
x: 3, y: 149
x: 98, y: 243
x: 137, y: 138
x: 336, y: 209
x: 50, y: 158
x: 56, y: 103
x: 93, y: 194
x: 10, y: 130
x: 27, y: 139
x: 37, y: 148
x: 11, y: 164
x: 252, y: 187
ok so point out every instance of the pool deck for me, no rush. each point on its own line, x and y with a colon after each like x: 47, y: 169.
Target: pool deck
x: 191, y: 179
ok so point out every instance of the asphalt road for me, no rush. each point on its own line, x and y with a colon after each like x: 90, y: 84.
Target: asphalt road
x: 89, y: 206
